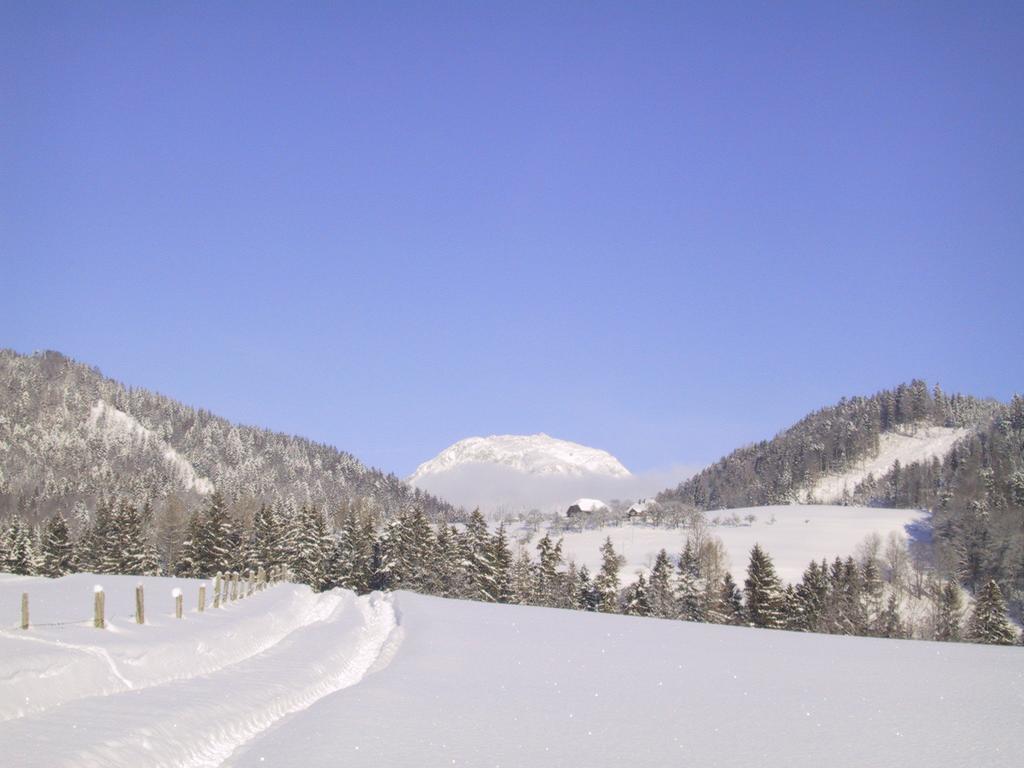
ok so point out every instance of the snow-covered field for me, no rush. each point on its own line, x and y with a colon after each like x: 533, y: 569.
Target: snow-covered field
x: 923, y: 444
x: 793, y: 535
x: 289, y: 678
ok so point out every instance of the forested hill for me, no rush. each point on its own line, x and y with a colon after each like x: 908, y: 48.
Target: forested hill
x: 69, y: 435
x: 793, y: 465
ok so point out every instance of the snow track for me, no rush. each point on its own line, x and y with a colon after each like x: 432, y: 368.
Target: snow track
x: 200, y: 719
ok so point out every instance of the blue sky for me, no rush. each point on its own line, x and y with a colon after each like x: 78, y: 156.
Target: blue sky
x: 662, y: 229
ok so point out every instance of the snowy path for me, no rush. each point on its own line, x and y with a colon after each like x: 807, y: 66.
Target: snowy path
x: 199, y: 720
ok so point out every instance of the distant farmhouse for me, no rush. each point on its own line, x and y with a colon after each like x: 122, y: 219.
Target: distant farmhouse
x: 643, y: 510
x: 585, y: 507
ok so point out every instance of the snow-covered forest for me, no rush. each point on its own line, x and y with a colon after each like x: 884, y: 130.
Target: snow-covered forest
x: 867, y: 595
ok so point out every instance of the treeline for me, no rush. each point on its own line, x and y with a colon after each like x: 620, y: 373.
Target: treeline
x: 830, y: 440
x: 866, y: 596
x: 69, y: 436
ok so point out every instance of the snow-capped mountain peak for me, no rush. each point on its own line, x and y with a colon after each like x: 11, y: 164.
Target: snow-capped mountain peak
x: 538, y: 454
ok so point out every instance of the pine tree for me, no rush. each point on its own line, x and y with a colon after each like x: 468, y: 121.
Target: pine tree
x: 636, y: 601
x: 219, y: 539
x: 690, y: 591
x: 131, y: 552
x: 548, y: 589
x: 479, y: 562
x: 812, y: 598
x: 193, y: 559
x: 58, y: 552
x: 606, y: 584
x: 501, y: 557
x: 763, y: 591
x: 588, y: 596
x: 731, y: 601
x: 948, y: 613
x: 988, y: 622
x: 890, y: 623
x: 660, y: 588
x: 21, y: 555
x: 522, y: 578
x: 313, y: 547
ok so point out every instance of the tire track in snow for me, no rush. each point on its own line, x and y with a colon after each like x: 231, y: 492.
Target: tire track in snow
x: 214, y: 651
x: 200, y: 721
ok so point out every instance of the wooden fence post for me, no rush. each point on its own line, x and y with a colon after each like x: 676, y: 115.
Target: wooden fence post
x: 248, y: 583
x: 140, y: 605
x: 235, y: 580
x: 99, y: 619
x: 24, y: 610
x: 176, y: 593
x: 261, y: 578
x: 216, y: 590
x: 202, y: 598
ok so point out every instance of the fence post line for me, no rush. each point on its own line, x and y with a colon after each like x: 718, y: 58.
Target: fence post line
x: 202, y: 597
x: 140, y: 604
x: 176, y: 593
x: 216, y: 590
x: 24, y: 610
x: 99, y: 620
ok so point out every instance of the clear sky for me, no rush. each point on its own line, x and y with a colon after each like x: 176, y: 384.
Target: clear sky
x: 662, y: 229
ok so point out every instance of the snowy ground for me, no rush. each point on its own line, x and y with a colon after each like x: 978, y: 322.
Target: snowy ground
x: 799, y: 534
x: 288, y: 678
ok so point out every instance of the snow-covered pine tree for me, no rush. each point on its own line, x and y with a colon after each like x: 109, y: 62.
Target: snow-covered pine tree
x: 661, y: 599
x: 479, y: 562
x: 58, y: 551
x: 763, y: 591
x: 266, y: 536
x: 312, y: 548
x: 522, y: 578
x: 588, y: 596
x: 636, y: 599
x: 948, y: 612
x: 606, y: 583
x: 890, y: 623
x: 812, y: 595
x: 219, y: 539
x: 501, y: 556
x: 731, y: 601
x: 131, y: 552
x: 548, y: 587
x: 988, y: 623
x: 690, y: 589
x: 193, y: 558
x: 21, y: 554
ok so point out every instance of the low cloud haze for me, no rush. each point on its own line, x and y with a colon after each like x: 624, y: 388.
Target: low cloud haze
x: 498, y: 489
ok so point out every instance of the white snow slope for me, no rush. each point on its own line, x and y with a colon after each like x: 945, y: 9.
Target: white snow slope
x: 921, y: 445
x: 473, y: 684
x: 531, y: 454
x: 799, y: 534
x: 115, y: 424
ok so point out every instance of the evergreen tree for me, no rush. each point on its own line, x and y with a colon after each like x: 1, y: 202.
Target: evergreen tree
x: 948, y: 613
x: 588, y: 596
x: 218, y: 538
x: 690, y: 602
x: 763, y: 591
x: 890, y: 624
x: 730, y: 602
x: 501, y: 557
x: 313, y: 548
x: 636, y: 601
x: 660, y: 588
x: 21, y: 555
x: 522, y: 578
x: 606, y: 584
x: 479, y: 560
x: 548, y: 589
x: 58, y: 552
x: 988, y: 622
x: 130, y: 551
